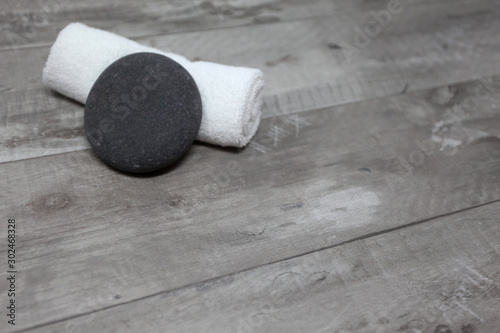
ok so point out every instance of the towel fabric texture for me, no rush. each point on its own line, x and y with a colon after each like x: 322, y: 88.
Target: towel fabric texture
x: 231, y: 96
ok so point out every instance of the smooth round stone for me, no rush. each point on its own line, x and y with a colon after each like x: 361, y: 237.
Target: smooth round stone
x: 143, y: 113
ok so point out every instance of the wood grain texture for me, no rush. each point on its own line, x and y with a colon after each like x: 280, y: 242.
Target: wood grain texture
x: 373, y: 216
x: 308, y: 181
x: 35, y: 23
x: 439, y: 276
x: 424, y: 46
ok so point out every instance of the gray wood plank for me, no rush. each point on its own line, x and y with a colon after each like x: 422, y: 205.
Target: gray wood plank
x: 36, y: 23
x: 439, y: 276
x: 308, y: 181
x: 301, y: 75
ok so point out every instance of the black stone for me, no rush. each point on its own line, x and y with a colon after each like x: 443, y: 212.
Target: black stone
x: 143, y: 113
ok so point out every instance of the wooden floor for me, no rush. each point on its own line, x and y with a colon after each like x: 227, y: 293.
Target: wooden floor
x: 369, y: 201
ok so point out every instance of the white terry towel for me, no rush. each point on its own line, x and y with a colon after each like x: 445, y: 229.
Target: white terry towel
x: 231, y: 96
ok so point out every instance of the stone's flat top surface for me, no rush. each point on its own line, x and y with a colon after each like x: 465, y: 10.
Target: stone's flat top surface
x: 143, y: 113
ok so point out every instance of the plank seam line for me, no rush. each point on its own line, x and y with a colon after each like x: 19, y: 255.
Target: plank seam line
x: 469, y: 80
x: 360, y: 238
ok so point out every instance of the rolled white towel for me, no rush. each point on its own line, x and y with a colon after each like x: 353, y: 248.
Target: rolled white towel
x: 231, y: 96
